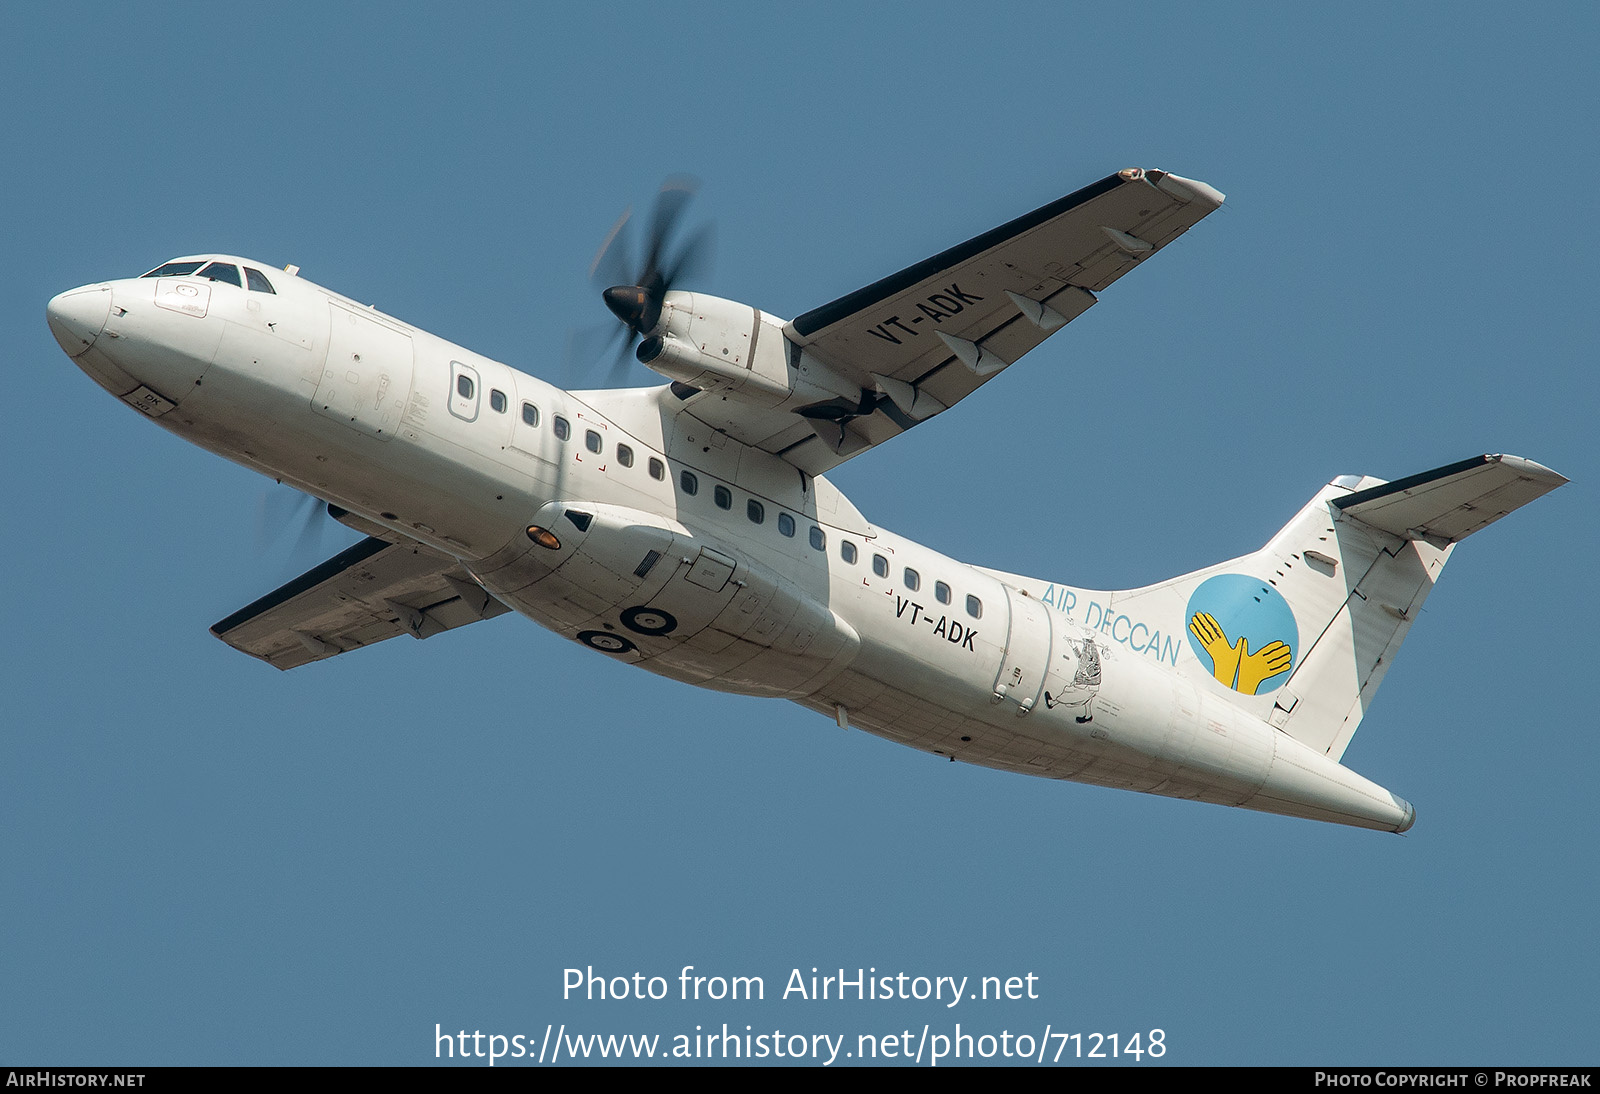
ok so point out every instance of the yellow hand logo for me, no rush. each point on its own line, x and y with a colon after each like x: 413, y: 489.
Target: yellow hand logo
x: 1225, y: 656
x: 1269, y: 660
x: 1231, y: 662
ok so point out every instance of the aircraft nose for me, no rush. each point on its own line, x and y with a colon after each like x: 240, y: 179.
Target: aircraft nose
x: 78, y: 316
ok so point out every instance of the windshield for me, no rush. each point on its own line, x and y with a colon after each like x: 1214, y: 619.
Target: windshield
x: 175, y: 269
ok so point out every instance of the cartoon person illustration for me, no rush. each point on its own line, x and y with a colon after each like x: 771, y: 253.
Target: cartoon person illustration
x: 1233, y: 663
x: 1085, y: 684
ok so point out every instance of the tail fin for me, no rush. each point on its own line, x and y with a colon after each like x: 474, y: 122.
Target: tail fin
x: 1304, y: 629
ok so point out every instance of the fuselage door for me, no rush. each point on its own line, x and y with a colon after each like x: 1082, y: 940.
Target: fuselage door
x: 1027, y: 654
x: 366, y: 379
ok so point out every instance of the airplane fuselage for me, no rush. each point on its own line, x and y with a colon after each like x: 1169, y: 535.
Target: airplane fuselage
x: 680, y: 549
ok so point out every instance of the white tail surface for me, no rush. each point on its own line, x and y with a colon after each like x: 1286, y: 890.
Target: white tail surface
x: 1303, y: 631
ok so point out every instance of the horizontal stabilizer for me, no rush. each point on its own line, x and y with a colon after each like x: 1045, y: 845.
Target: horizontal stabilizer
x: 1449, y: 503
x: 365, y: 594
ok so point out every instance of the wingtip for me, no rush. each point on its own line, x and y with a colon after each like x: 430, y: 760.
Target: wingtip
x: 1536, y: 471
x: 1188, y: 190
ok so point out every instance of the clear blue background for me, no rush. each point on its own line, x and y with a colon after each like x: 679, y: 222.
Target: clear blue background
x: 206, y: 861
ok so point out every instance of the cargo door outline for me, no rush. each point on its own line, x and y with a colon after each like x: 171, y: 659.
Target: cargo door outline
x: 367, y: 375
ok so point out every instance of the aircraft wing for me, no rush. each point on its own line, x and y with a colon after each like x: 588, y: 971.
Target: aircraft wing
x: 919, y: 341
x: 365, y: 594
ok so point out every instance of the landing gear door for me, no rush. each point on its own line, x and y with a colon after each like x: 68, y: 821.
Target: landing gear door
x: 1027, y: 655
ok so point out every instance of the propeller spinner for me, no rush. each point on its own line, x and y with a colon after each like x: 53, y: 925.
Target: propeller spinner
x: 634, y: 293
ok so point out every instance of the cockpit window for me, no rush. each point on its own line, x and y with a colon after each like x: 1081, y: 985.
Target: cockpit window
x: 175, y: 269
x: 222, y: 271
x: 258, y: 281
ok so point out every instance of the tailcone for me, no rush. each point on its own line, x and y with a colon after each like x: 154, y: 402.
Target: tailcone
x: 1304, y: 783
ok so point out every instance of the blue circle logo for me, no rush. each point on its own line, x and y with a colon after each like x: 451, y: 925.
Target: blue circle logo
x: 1244, y: 631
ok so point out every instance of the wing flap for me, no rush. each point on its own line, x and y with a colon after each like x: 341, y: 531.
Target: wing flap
x: 363, y: 595
x: 1449, y: 503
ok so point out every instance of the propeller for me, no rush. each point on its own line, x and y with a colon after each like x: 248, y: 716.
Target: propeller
x: 289, y: 509
x: 633, y: 290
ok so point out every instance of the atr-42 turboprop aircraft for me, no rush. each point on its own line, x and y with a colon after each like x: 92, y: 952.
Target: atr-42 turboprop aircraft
x: 689, y: 528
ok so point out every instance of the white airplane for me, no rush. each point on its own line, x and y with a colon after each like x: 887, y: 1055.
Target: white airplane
x: 689, y: 528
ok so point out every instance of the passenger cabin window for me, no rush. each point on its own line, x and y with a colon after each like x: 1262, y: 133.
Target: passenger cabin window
x: 847, y: 551
x: 690, y: 484
x: 723, y: 497
x: 658, y: 470
x: 562, y: 429
x: 941, y: 592
x: 591, y: 441
x: 530, y: 414
x: 175, y: 269
x: 624, y: 455
x: 222, y: 271
x: 755, y: 511
x: 785, y: 524
x: 464, y: 386
x: 974, y: 607
x: 818, y: 540
x: 913, y: 579
x: 258, y: 281
x: 880, y: 565
x: 497, y: 400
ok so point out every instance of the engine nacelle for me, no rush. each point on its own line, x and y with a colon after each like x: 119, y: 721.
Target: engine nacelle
x: 647, y: 589
x: 731, y: 348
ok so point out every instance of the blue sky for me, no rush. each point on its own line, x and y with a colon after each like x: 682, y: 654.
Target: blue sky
x: 206, y: 861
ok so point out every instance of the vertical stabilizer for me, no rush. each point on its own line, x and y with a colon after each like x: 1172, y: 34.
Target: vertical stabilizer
x: 1302, y: 632
x: 1356, y: 590
x: 1413, y: 523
